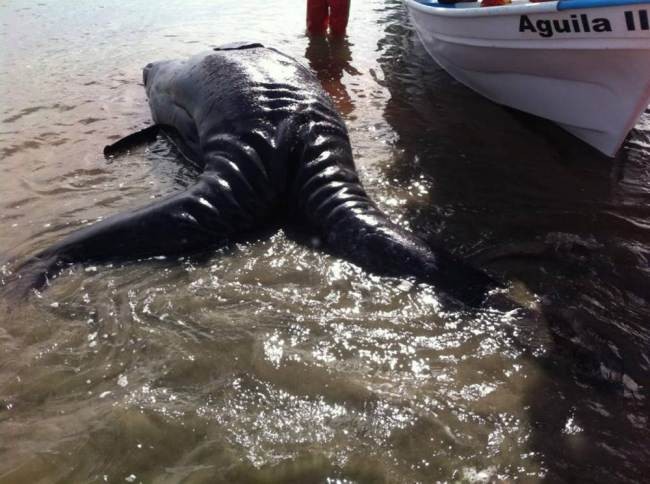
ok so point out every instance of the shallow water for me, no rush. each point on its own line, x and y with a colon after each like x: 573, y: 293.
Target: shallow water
x: 272, y: 362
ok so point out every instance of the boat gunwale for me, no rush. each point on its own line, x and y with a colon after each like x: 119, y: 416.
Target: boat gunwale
x: 510, y: 9
x: 500, y: 10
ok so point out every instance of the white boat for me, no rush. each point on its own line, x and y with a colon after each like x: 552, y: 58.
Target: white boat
x: 584, y: 64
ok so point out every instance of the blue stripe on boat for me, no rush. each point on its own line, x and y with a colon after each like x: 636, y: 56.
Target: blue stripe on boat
x: 431, y: 3
x: 575, y: 4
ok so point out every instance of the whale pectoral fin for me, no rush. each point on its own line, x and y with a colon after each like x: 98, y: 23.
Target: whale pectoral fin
x: 353, y: 228
x: 149, y: 135
x: 331, y: 198
x: 32, y: 274
x: 122, y: 145
x: 238, y: 46
x: 195, y: 220
x: 369, y: 239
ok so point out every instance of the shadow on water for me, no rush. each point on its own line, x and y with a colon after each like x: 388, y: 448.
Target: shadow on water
x: 529, y: 202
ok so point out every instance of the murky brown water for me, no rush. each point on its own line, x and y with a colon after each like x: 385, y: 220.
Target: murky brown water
x: 275, y: 363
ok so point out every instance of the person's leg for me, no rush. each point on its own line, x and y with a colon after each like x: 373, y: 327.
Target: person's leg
x: 339, y: 13
x: 317, y: 17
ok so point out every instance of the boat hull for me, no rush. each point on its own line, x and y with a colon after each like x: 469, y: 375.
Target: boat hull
x: 594, y: 84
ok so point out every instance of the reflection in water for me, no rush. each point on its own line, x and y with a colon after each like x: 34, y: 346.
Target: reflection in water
x: 330, y: 58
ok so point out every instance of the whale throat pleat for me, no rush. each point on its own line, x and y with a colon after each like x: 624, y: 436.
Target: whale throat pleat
x: 242, y: 166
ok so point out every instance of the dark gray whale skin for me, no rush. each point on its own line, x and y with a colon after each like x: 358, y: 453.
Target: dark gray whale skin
x: 272, y: 148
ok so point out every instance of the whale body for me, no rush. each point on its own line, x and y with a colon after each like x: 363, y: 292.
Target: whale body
x: 272, y: 150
